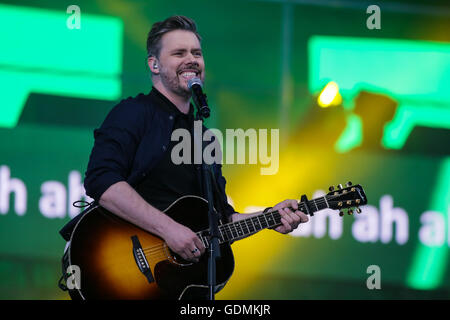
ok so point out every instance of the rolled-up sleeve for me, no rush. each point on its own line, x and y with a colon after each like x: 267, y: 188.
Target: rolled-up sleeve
x: 115, y: 145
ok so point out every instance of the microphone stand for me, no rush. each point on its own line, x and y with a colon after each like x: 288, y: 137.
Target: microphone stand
x: 207, y: 172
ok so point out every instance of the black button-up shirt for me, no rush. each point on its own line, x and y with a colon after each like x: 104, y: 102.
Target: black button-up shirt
x: 132, y: 141
x: 168, y: 181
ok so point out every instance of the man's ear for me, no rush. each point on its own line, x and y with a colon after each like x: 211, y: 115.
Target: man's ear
x: 153, y: 64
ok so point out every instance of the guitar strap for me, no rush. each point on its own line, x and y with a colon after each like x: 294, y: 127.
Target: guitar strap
x: 66, y: 231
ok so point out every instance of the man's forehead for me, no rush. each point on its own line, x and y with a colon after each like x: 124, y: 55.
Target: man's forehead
x: 180, y: 39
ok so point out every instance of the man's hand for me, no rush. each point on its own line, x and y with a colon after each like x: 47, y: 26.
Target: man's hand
x: 290, y: 219
x: 184, y: 242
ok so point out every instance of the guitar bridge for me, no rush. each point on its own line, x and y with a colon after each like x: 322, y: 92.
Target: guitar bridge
x: 141, y: 260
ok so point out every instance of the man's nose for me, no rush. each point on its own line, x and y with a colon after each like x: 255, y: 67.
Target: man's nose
x: 191, y: 59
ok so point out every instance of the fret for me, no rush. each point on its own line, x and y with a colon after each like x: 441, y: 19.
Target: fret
x: 265, y: 218
x: 249, y: 225
x: 242, y: 228
x: 221, y: 234
x: 204, y: 240
x: 201, y: 239
x: 233, y: 230
x: 244, y: 223
x: 228, y: 232
x: 264, y: 223
x: 253, y: 220
x: 270, y: 218
x: 317, y: 209
x: 258, y: 218
x: 324, y: 204
x: 252, y: 225
x: 239, y: 230
x: 326, y: 201
x: 277, y: 218
x: 319, y: 203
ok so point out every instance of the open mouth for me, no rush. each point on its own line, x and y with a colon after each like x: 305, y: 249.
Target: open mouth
x: 188, y: 74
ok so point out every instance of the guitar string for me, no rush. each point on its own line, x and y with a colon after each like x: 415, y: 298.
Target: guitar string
x: 155, y: 252
x: 154, y: 248
x: 156, y: 255
x: 234, y: 225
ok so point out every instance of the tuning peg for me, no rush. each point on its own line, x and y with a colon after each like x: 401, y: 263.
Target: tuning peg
x: 339, y: 186
x: 331, y: 188
x: 358, y: 210
x: 348, y: 184
x: 350, y: 212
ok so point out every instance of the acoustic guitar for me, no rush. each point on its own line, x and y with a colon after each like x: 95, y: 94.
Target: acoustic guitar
x: 118, y: 260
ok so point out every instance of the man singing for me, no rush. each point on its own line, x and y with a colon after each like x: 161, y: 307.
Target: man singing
x: 130, y: 171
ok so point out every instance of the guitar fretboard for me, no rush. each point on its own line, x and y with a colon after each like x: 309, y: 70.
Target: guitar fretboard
x: 232, y: 231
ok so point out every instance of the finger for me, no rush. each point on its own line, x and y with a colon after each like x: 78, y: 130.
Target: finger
x: 196, y: 252
x: 294, y: 204
x: 296, y: 219
x: 186, y: 256
x: 286, y: 214
x: 303, y: 217
x: 190, y: 256
x: 282, y: 205
x: 193, y: 259
x: 199, y: 244
x: 295, y: 215
x: 289, y: 204
x: 287, y: 225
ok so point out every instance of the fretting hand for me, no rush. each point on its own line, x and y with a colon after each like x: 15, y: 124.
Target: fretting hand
x: 290, y: 219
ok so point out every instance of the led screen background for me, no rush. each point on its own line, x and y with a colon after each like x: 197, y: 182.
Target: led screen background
x: 266, y: 63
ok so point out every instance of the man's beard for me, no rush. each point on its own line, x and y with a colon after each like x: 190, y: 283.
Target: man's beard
x: 174, y: 84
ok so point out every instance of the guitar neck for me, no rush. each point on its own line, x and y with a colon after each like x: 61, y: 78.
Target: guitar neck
x: 232, y: 231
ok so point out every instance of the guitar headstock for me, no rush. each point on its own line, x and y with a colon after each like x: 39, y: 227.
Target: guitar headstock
x: 348, y: 198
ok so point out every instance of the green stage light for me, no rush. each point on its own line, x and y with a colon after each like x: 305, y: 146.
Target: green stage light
x: 40, y: 54
x: 414, y: 73
x: 429, y: 264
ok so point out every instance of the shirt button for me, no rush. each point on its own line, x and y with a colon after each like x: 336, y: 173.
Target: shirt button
x: 164, y: 148
x: 171, y: 117
x: 144, y: 174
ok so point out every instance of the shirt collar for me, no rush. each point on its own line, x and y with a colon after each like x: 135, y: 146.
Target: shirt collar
x: 167, y: 105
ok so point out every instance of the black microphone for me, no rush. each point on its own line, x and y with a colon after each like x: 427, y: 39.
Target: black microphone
x: 195, y: 85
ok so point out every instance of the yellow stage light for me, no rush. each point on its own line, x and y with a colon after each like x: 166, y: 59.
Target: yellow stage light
x: 329, y: 96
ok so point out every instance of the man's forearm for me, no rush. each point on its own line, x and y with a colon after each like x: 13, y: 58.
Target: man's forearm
x: 122, y: 200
